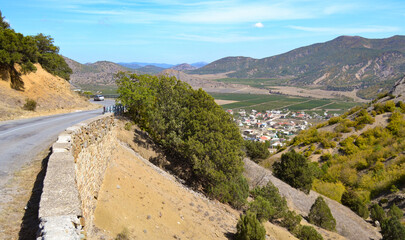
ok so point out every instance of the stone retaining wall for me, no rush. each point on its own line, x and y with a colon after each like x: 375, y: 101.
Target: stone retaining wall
x: 73, y: 178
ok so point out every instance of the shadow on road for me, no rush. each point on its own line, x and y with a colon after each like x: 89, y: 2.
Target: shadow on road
x: 30, y: 221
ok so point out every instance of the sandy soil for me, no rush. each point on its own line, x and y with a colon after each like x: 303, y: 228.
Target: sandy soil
x: 151, y: 204
x: 52, y: 94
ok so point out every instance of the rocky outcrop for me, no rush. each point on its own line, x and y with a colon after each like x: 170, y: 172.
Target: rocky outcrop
x: 399, y: 90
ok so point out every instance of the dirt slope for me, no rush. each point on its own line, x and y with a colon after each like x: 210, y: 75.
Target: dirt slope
x: 152, y: 204
x: 52, y: 94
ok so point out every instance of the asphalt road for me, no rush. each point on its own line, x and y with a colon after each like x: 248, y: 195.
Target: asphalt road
x: 22, y: 140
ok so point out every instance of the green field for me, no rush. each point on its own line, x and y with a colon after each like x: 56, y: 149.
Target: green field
x: 102, y: 88
x: 258, y: 83
x: 279, y: 102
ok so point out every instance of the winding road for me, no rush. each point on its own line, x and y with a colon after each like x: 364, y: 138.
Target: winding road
x: 23, y: 140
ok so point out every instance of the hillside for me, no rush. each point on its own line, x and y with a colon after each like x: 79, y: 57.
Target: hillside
x: 52, y: 94
x: 184, y: 67
x: 153, y: 208
x: 360, y: 152
x: 98, y: 73
x: 344, y: 64
x: 207, y: 84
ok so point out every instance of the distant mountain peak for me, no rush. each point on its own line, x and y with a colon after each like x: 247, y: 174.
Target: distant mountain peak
x: 183, y: 67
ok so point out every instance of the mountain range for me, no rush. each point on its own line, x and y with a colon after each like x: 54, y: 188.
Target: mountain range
x: 137, y: 65
x: 344, y: 63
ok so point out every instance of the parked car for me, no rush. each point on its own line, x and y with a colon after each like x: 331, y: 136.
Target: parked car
x: 99, y: 98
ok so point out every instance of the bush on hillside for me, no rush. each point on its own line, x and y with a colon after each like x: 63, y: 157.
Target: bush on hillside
x: 377, y: 213
x: 352, y: 201
x: 291, y: 221
x: 309, y: 233
x: 332, y: 190
x: 294, y: 170
x: 321, y: 216
x: 257, y: 150
x: 191, y: 128
x: 30, y: 105
x: 271, y: 194
x: 262, y: 208
x: 392, y: 229
x: 249, y: 228
x: 395, y: 212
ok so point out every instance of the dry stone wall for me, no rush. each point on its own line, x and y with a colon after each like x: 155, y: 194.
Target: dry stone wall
x: 74, y: 175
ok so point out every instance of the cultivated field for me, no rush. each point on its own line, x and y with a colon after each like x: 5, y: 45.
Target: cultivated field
x: 261, y: 102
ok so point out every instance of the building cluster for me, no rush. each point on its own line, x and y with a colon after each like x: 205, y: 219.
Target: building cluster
x: 273, y: 125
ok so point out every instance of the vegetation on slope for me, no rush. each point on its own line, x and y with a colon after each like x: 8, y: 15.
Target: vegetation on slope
x: 15, y: 48
x: 193, y: 129
x: 357, y: 164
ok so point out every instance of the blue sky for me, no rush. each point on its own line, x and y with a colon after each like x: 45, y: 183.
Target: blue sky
x: 177, y: 31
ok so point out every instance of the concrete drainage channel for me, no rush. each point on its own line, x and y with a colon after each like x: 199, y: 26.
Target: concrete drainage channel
x: 73, y: 178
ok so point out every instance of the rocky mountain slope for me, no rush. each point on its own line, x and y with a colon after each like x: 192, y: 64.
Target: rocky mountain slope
x: 344, y: 63
x: 183, y: 67
x: 98, y: 73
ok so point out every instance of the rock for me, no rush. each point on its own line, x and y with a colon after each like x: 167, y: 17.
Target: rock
x: 118, y: 187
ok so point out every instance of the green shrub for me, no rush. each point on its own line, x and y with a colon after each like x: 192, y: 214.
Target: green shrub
x: 234, y: 191
x: 392, y: 229
x: 395, y: 212
x: 294, y: 170
x: 309, y: 233
x: 291, y: 221
x: 326, y: 157
x: 192, y: 128
x: 321, y: 216
x: 401, y: 105
x: 249, y: 228
x: 334, y: 120
x: 377, y: 213
x: 30, y: 105
x: 331, y: 190
x: 352, y: 201
x: 271, y: 194
x: 262, y: 208
x: 389, y: 106
x: 257, y: 150
x: 128, y: 126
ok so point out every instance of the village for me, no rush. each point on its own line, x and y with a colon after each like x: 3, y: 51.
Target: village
x: 274, y: 126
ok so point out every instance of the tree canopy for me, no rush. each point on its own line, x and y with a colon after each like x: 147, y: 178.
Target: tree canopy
x: 192, y: 128
x: 15, y: 48
x: 294, y: 170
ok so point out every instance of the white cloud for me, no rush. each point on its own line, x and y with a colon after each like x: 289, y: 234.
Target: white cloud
x: 231, y: 38
x: 259, y: 25
x: 245, y: 13
x: 340, y: 31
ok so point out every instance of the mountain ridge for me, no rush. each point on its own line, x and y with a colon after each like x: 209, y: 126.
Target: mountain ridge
x: 344, y: 63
